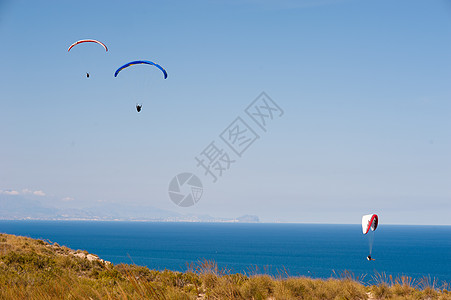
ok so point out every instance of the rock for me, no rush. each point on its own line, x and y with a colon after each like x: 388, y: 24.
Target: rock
x: 92, y: 257
x: 80, y: 254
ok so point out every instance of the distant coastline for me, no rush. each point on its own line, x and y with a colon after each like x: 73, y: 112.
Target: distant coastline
x: 16, y: 207
x: 188, y: 219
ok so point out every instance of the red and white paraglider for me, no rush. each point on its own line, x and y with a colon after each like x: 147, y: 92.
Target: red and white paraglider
x: 369, y: 225
x: 88, y: 41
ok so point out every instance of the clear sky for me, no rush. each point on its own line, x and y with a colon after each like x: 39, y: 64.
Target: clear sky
x: 364, y: 87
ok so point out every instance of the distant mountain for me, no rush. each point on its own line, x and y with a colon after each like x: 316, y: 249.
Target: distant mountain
x: 14, y: 207
x: 248, y: 219
x: 19, y: 207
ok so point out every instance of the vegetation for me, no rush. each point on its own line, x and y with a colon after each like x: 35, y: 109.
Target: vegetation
x: 36, y: 269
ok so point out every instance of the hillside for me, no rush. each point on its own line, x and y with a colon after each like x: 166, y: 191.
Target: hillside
x: 36, y: 269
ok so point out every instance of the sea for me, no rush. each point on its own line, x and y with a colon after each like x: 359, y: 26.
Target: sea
x: 313, y: 250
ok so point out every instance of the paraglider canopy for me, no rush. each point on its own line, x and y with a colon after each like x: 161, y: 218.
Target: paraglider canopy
x: 88, y: 41
x: 369, y: 222
x: 139, y: 62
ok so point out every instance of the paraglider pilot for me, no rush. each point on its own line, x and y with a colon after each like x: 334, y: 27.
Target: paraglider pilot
x: 138, y: 107
x: 369, y: 257
x: 87, y: 75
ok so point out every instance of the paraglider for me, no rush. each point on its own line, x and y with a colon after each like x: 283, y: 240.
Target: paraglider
x: 88, y: 41
x: 370, y: 222
x: 140, y: 62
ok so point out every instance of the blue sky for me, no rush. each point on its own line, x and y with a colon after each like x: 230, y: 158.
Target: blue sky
x: 364, y: 87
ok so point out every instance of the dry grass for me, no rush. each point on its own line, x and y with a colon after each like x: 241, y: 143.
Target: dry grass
x: 36, y: 269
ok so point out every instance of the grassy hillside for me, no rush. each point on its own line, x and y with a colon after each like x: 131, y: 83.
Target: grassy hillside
x: 36, y: 269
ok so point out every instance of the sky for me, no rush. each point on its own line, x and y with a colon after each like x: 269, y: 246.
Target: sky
x: 362, y: 90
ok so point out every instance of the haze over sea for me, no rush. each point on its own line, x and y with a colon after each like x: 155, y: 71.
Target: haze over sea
x: 316, y: 250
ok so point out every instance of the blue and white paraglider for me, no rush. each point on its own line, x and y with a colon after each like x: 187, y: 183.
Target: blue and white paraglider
x: 140, y: 62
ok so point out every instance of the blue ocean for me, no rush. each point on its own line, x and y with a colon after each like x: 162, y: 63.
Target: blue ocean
x: 315, y: 250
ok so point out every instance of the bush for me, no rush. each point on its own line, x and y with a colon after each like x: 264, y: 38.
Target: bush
x: 258, y: 287
x: 381, y: 291
x: 28, y: 260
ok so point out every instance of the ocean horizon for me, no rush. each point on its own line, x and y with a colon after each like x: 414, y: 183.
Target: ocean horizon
x: 278, y: 249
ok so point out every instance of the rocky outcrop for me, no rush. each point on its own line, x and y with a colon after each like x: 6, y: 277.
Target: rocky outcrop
x: 62, y: 250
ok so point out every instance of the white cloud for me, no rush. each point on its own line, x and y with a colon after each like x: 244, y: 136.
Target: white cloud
x: 9, y: 192
x: 66, y: 199
x: 23, y: 192
x: 39, y: 193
